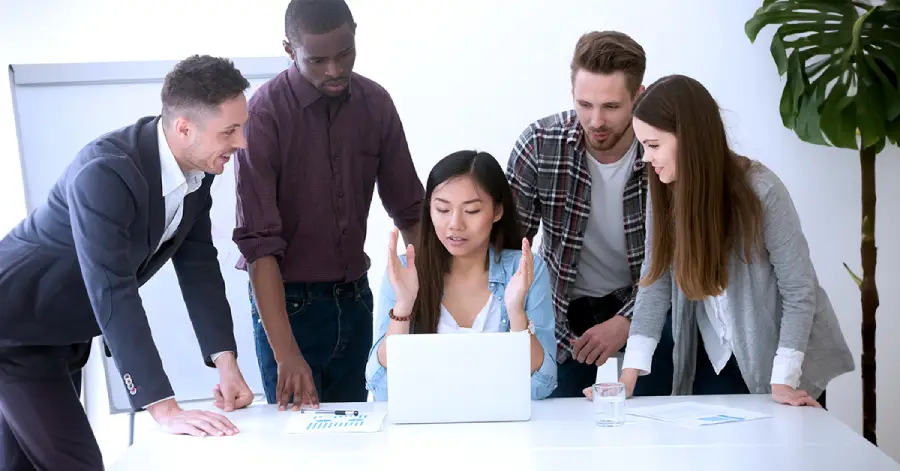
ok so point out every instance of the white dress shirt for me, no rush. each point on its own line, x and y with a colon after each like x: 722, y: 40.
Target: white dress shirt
x: 716, y: 329
x: 176, y: 185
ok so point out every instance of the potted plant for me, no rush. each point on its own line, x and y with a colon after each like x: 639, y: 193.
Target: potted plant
x: 841, y: 59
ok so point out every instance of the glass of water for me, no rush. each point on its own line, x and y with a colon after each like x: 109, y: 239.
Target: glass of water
x: 609, y: 404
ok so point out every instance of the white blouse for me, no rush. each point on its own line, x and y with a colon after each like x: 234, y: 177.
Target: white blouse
x: 487, y: 320
x: 717, y: 329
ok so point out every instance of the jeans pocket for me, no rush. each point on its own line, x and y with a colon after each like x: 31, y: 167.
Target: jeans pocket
x: 295, y: 305
x: 367, y: 300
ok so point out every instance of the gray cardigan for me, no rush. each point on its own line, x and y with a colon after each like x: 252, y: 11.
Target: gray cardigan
x: 777, y: 303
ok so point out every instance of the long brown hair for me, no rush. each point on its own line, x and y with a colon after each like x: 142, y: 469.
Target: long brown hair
x: 710, y: 208
x: 432, y: 258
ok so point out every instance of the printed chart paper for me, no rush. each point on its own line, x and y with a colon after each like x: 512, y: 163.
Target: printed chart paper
x: 694, y: 414
x: 305, y: 422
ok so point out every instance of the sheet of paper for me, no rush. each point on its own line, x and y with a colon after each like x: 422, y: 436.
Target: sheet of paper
x: 305, y: 422
x: 609, y: 371
x: 694, y: 414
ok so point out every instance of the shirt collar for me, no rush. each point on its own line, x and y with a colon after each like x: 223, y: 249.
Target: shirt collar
x: 635, y: 150
x: 170, y: 172
x: 496, y: 270
x: 305, y: 91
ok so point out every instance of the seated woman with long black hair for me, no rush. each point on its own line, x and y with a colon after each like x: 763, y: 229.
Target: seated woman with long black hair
x: 470, y: 272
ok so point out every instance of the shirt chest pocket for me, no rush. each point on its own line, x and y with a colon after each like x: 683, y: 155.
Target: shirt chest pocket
x: 365, y: 169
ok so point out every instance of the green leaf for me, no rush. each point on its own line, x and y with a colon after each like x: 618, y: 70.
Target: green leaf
x: 826, y: 77
x: 893, y: 131
x: 890, y: 77
x: 813, y: 69
x: 839, y: 38
x: 779, y: 54
x: 891, y: 95
x: 841, y: 127
x: 888, y: 49
x: 859, y: 24
x: 879, y: 146
x: 838, y: 117
x: 787, y: 108
x: 807, y: 126
x: 886, y: 61
x: 792, y: 29
x: 840, y: 62
x: 876, y: 34
x: 856, y: 279
x: 812, y: 51
x: 805, y: 6
x: 870, y: 115
x: 783, y: 12
x: 793, y: 90
x: 816, y: 59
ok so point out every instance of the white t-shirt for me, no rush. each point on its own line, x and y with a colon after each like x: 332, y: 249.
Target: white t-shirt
x: 603, y: 262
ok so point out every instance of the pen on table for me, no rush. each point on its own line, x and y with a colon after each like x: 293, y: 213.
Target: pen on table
x: 332, y: 411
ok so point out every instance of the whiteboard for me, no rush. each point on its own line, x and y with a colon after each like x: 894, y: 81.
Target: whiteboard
x: 61, y: 107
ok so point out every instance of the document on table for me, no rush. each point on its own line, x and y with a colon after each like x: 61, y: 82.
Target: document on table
x: 305, y: 422
x: 695, y: 414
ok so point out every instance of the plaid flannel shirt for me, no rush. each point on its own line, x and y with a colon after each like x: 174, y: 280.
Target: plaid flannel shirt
x: 551, y: 183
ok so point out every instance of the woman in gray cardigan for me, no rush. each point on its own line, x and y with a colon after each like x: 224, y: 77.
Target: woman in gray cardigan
x: 725, y: 249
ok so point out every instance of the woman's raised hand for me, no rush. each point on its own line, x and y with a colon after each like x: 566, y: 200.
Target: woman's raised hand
x: 404, y: 280
x: 521, y: 281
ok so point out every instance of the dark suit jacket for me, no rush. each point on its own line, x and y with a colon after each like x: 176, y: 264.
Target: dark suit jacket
x: 71, y: 270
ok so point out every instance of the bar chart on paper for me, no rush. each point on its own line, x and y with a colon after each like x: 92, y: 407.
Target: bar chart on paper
x: 327, y: 423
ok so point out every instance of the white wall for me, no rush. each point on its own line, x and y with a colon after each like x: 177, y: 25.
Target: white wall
x: 502, y: 64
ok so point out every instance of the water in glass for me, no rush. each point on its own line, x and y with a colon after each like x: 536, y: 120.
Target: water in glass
x: 609, y: 404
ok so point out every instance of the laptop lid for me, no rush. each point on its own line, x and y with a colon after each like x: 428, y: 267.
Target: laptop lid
x: 460, y: 377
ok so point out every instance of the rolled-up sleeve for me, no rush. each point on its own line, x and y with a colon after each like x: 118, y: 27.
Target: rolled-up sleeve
x: 257, y: 231
x: 522, y: 175
x: 639, y: 354
x: 539, y: 310
x: 376, y: 374
x: 399, y: 186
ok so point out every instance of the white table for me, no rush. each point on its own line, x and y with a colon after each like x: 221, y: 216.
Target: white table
x: 560, y: 436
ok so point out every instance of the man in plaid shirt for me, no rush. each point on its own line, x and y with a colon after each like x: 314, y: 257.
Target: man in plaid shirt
x: 581, y: 173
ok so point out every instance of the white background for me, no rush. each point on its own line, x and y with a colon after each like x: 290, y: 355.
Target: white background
x: 473, y: 74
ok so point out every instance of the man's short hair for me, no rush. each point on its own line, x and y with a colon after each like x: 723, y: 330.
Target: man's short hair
x: 200, y: 83
x: 606, y: 52
x: 315, y: 17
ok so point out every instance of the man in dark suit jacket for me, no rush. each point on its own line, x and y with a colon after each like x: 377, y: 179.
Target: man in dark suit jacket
x: 131, y: 200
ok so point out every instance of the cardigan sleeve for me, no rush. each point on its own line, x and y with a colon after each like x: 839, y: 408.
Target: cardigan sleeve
x: 650, y: 307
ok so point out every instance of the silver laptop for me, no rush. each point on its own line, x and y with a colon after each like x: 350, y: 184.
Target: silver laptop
x: 460, y: 377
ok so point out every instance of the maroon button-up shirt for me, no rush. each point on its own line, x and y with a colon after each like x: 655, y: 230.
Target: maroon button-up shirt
x: 305, y: 181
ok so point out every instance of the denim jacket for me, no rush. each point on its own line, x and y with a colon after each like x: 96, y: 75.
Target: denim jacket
x: 538, y: 308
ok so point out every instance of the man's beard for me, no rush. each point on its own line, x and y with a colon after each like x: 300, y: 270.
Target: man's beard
x: 608, y: 143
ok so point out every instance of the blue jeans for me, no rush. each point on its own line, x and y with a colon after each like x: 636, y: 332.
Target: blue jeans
x: 332, y: 324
